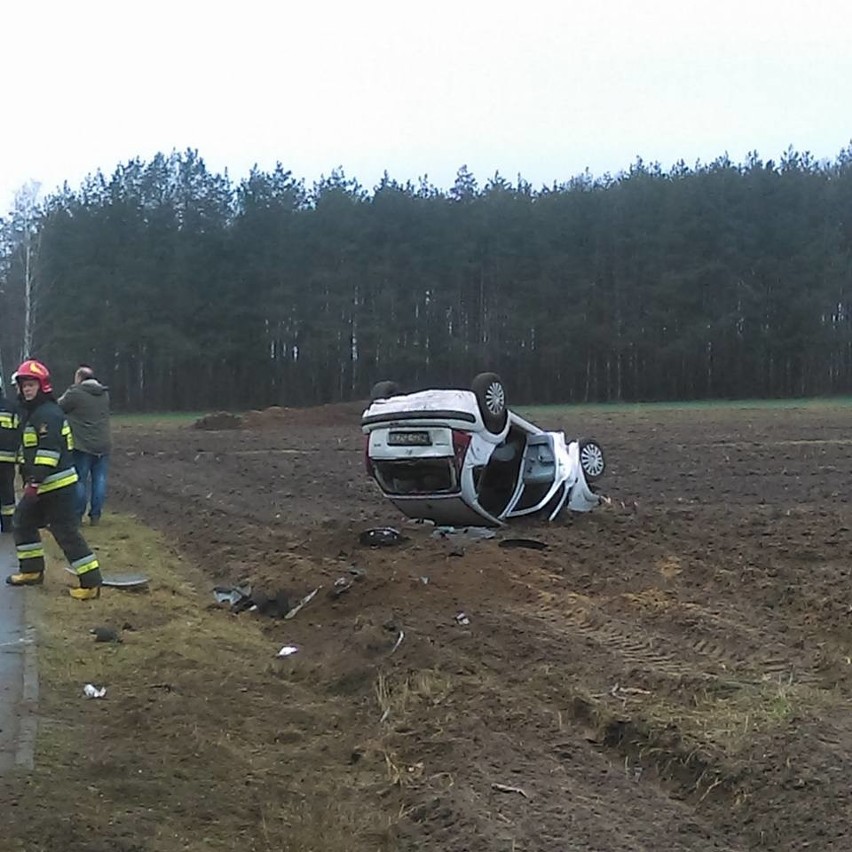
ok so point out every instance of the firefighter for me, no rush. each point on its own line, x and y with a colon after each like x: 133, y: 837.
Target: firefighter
x: 49, y: 498
x: 9, y: 442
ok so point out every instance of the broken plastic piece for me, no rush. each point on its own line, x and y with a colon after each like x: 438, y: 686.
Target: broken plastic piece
x: 461, y: 618
x: 465, y: 533
x: 398, y: 641
x: 305, y: 600
x: 231, y: 594
x: 92, y: 691
x: 288, y: 650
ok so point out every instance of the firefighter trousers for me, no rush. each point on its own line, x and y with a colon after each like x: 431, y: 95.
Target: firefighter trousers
x: 7, y: 495
x: 56, y: 511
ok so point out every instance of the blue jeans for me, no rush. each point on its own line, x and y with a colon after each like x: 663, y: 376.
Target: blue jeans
x: 94, y: 467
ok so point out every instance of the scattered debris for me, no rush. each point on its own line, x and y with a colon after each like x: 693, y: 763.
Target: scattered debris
x: 105, y: 634
x: 424, y: 580
x: 462, y: 619
x: 288, y: 650
x: 529, y: 543
x: 132, y: 581
x: 505, y: 788
x: 398, y: 641
x: 341, y: 585
x: 303, y: 602
x: 467, y: 533
x: 381, y: 537
x: 243, y: 597
x: 92, y: 691
x: 624, y: 692
x: 231, y: 594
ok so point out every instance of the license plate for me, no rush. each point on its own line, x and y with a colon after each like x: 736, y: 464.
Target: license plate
x: 409, y: 439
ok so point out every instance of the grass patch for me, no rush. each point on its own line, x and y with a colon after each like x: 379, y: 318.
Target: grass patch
x: 204, y: 741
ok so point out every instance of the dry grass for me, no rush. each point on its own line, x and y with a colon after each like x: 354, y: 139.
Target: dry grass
x: 204, y: 740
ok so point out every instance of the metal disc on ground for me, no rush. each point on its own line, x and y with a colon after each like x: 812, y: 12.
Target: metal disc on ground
x: 126, y: 581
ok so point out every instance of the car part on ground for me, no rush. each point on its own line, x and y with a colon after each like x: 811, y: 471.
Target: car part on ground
x: 381, y: 537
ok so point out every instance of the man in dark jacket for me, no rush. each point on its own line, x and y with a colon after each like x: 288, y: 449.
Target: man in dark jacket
x: 47, y: 469
x: 86, y: 405
x: 10, y: 440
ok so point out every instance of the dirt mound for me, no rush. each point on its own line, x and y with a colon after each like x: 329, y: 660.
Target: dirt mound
x: 334, y: 414
x: 218, y: 421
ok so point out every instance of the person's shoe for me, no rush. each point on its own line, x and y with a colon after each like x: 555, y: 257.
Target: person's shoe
x: 25, y: 578
x: 85, y: 594
x: 95, y: 520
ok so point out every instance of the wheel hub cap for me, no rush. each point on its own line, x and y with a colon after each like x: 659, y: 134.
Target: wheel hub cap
x: 495, y: 399
x: 591, y: 458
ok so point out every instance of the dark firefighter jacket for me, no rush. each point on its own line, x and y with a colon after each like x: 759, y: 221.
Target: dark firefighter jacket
x: 10, y: 434
x: 46, y: 445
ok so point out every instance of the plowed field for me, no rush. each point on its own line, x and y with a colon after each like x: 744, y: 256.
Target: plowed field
x: 671, y: 673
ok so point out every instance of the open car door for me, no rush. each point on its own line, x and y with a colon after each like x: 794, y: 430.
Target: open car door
x: 550, y: 476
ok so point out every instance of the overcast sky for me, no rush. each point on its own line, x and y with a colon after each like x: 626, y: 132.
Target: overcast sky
x: 541, y: 89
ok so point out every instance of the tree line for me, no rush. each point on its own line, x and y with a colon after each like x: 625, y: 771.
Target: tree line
x: 188, y: 291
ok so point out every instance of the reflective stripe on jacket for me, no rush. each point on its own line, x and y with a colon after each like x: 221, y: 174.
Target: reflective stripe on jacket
x: 46, y: 448
x: 10, y: 431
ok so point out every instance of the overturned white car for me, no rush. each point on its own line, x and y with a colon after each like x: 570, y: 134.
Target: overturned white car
x: 461, y: 458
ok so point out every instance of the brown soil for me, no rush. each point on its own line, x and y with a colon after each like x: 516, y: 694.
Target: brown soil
x: 671, y: 673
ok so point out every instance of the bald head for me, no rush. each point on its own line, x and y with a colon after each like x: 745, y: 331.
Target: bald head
x: 84, y: 371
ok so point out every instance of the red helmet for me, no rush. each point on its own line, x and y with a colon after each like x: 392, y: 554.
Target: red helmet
x: 32, y: 369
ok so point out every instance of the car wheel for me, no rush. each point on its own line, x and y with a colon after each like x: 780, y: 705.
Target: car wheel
x: 382, y: 390
x: 491, y: 398
x: 592, y: 459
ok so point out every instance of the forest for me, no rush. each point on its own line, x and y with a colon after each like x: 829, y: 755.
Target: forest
x: 186, y: 290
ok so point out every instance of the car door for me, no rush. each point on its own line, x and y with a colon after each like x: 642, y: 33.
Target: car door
x: 542, y: 477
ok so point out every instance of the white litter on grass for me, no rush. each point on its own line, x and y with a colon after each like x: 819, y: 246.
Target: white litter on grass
x: 92, y: 691
x: 461, y: 618
x: 287, y: 650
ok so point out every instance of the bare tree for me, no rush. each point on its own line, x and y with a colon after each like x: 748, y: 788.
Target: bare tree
x: 19, y: 278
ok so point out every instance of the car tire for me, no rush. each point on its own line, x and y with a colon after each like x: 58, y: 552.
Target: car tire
x: 491, y: 398
x: 382, y: 390
x: 592, y: 459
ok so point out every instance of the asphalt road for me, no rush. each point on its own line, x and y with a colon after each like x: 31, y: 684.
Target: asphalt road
x: 18, y: 685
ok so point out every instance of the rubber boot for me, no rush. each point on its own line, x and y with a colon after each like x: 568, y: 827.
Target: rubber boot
x: 85, y: 594
x: 24, y: 578
x: 90, y: 586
